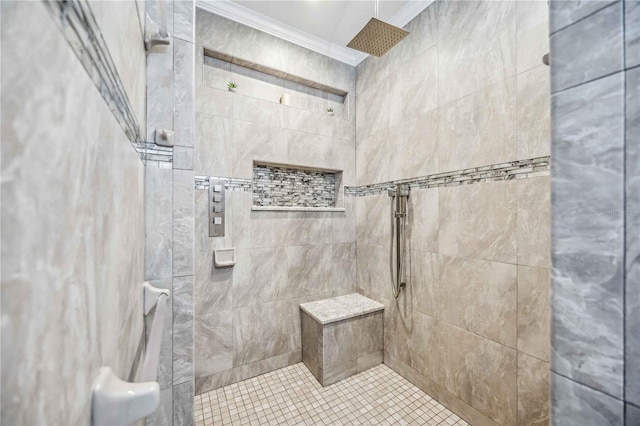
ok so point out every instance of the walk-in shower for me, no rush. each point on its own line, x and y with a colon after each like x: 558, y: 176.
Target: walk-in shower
x: 399, y: 197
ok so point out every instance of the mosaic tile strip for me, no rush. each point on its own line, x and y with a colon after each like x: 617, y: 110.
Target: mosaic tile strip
x: 231, y: 184
x: 520, y: 169
x: 288, y: 187
x: 78, y: 25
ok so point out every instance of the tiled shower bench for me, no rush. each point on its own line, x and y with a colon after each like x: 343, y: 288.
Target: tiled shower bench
x: 341, y: 336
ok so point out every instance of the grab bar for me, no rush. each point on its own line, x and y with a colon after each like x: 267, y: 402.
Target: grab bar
x: 116, y: 402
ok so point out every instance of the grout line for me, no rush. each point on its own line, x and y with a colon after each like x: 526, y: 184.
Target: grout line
x: 587, y: 386
x: 583, y: 18
x: 622, y: 70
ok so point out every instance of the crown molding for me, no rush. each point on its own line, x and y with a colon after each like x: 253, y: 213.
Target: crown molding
x: 235, y: 12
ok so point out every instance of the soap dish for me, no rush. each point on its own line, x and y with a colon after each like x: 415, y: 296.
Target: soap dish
x: 224, y: 258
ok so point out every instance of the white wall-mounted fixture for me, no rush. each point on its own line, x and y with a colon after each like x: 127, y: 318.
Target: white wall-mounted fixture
x: 156, y: 34
x: 163, y: 137
x: 224, y: 258
x: 116, y: 402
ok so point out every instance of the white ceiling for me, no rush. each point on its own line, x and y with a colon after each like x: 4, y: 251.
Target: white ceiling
x: 325, y: 26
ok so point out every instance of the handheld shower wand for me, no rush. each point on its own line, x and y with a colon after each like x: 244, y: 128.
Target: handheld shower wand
x: 399, y: 197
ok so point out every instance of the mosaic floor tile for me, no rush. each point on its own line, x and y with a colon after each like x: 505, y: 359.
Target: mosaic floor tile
x: 292, y: 396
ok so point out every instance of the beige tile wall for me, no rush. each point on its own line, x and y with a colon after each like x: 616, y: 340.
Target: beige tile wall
x: 467, y: 88
x: 72, y: 216
x: 247, y: 318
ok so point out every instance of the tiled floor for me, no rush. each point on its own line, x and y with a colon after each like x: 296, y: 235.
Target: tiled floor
x: 292, y: 396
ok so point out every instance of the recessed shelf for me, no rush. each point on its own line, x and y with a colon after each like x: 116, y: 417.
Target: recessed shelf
x: 274, y: 72
x: 295, y: 188
x: 297, y: 209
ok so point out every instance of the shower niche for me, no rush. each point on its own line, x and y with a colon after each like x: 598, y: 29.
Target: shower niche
x: 287, y: 187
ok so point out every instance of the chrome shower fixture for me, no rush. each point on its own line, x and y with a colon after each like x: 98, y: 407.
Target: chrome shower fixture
x: 399, y: 197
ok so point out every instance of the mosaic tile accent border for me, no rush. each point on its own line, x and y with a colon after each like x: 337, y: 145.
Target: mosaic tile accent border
x: 231, y: 184
x: 78, y: 25
x: 519, y: 169
x: 278, y: 186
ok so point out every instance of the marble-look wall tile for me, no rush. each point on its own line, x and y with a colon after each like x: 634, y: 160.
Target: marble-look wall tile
x: 183, y: 91
x: 184, y: 20
x: 463, y: 232
x: 413, y: 146
x: 533, y: 110
x: 183, y: 403
x: 343, y: 158
x: 589, y: 49
x: 256, y: 84
x: 252, y: 229
x: 73, y: 275
x: 632, y: 414
x: 309, y: 150
x: 371, y: 117
x: 574, y: 403
x: 311, y: 334
x: 213, y: 285
x: 259, y: 294
x: 566, y: 12
x: 183, y: 222
x: 255, y: 339
x: 479, y: 129
x: 182, y: 158
x: 307, y: 228
x: 157, y: 9
x: 216, y: 33
x: 478, y: 296
x: 588, y: 232
x: 246, y: 371
x: 216, y: 73
x: 423, y: 35
x: 476, y: 369
x: 373, y: 271
x: 373, y: 220
x: 309, y: 269
x: 343, y: 225
x: 254, y: 141
x: 260, y: 276
x: 256, y: 110
x: 214, y: 101
x: 213, y: 153
x: 632, y: 238
x: 532, y: 34
x: 213, y: 340
x: 413, y: 94
x: 372, y: 158
x: 163, y: 416
x: 534, y: 228
x: 533, y: 312
x: 423, y: 220
x: 122, y: 33
x: 343, y: 269
x: 533, y: 391
x: 159, y: 89
x: 158, y: 223
x: 477, y: 46
x: 632, y: 33
x: 261, y: 48
x: 183, y: 313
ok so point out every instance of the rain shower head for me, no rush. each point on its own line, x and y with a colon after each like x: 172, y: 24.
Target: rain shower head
x: 377, y: 37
